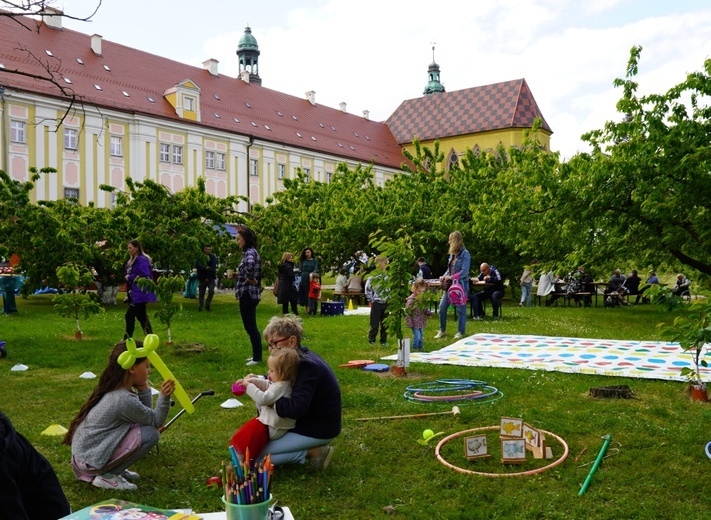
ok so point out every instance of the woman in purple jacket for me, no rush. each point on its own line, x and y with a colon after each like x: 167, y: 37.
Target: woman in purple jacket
x: 139, y: 265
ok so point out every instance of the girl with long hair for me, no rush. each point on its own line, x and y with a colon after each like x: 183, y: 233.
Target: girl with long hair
x: 117, y: 425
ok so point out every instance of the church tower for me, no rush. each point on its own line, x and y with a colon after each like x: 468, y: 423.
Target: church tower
x: 433, y: 85
x: 248, y: 54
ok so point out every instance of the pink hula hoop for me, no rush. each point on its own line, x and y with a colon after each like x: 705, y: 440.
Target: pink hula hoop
x: 518, y: 474
x: 423, y: 397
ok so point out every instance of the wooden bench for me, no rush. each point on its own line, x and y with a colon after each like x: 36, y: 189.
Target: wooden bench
x: 347, y: 296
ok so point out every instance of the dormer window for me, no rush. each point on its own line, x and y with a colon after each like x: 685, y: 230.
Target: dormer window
x: 184, y: 97
x: 106, y: 68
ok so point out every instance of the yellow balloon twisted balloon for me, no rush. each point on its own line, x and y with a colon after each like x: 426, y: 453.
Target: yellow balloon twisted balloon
x: 150, y: 344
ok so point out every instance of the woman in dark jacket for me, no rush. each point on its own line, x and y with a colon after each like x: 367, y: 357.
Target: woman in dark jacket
x: 287, y: 293
x: 307, y: 264
x: 138, y: 266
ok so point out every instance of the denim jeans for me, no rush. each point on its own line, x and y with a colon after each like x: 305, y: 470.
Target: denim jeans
x: 417, y: 340
x: 526, y: 289
x: 292, y: 447
x: 461, y: 312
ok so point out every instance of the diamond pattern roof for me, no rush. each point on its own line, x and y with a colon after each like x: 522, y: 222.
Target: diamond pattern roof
x: 509, y: 104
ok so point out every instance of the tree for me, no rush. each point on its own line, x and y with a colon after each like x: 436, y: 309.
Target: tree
x: 165, y: 290
x: 647, y: 185
x: 75, y: 302
x: 172, y: 227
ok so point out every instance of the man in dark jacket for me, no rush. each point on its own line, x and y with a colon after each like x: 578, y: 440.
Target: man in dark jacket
x: 206, y: 266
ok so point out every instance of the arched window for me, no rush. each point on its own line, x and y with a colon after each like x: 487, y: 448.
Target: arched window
x: 453, y: 160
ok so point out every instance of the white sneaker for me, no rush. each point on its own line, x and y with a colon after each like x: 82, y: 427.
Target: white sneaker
x: 113, y: 482
x: 458, y: 335
x: 441, y: 334
x: 252, y: 362
x: 130, y: 475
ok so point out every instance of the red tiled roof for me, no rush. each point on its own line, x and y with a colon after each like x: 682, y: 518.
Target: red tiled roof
x: 509, y: 104
x: 143, y: 75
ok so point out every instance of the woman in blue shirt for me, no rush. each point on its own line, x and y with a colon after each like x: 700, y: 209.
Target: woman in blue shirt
x: 459, y: 262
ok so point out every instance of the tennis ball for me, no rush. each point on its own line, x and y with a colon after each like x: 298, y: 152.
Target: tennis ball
x: 238, y: 389
x: 427, y: 434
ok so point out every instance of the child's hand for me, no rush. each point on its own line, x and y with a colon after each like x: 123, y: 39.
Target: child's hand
x: 167, y: 387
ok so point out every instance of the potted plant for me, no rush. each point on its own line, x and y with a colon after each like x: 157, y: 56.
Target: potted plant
x: 165, y: 289
x: 75, y: 302
x: 396, y: 282
x: 692, y: 330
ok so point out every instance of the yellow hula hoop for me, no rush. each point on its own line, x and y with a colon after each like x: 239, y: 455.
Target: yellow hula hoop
x: 518, y: 474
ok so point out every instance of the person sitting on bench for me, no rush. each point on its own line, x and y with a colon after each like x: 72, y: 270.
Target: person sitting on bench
x: 495, y: 292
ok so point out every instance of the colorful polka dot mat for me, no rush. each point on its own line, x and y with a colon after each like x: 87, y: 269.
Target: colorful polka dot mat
x: 640, y: 359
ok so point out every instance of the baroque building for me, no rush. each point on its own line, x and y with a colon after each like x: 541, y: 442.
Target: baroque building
x: 105, y: 112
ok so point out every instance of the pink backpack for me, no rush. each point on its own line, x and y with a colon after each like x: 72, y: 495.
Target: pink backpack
x: 456, y: 293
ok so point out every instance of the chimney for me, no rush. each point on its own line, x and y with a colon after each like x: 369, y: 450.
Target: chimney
x: 211, y: 66
x: 244, y: 76
x: 342, y: 104
x: 311, y: 96
x: 366, y: 114
x: 96, y: 43
x: 52, y: 17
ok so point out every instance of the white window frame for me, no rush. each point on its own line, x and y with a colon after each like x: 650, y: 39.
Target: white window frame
x: 281, y: 170
x: 220, y: 161
x: 254, y: 167
x: 189, y: 103
x: 71, y: 193
x: 17, y: 131
x: 307, y: 173
x: 177, y: 154
x: 210, y: 160
x: 164, y: 152
x: 70, y: 139
x: 116, y: 146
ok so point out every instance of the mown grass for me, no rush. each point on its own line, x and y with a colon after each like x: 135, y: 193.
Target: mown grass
x: 656, y: 469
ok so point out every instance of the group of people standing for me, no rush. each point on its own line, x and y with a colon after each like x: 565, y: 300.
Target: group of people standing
x: 303, y: 289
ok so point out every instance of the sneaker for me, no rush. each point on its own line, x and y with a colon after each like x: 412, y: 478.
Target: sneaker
x: 323, y: 459
x: 458, y: 335
x: 441, y: 334
x: 113, y: 482
x: 477, y: 318
x: 130, y: 475
x: 252, y: 362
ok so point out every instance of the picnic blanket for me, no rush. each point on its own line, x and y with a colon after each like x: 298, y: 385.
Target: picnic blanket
x: 639, y: 359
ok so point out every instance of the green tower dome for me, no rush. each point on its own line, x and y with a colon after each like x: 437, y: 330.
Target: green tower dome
x: 247, y: 41
x: 433, y: 85
x: 248, y: 56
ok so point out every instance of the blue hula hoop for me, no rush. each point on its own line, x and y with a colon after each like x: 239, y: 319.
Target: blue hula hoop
x: 453, y: 385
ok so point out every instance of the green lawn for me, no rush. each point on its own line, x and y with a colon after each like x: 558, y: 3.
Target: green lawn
x: 657, y: 467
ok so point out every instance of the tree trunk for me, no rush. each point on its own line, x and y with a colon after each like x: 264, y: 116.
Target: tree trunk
x: 107, y: 293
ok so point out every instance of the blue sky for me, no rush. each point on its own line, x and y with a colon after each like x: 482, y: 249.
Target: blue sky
x: 373, y: 54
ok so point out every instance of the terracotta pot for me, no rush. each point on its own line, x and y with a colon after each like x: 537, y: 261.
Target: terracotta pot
x: 398, y: 370
x: 78, y: 334
x: 699, y: 393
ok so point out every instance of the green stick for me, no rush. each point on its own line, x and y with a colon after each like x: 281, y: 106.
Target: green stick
x: 600, y: 456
